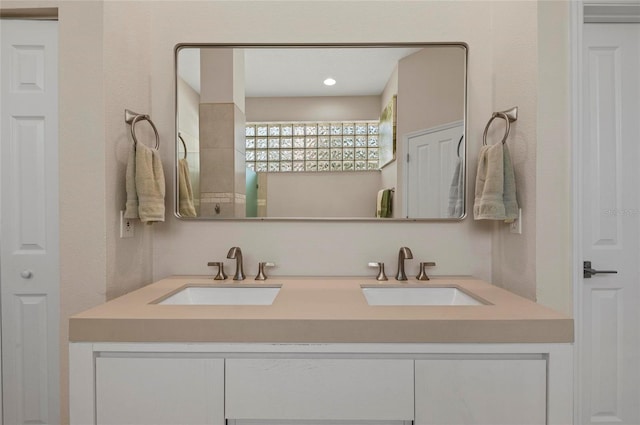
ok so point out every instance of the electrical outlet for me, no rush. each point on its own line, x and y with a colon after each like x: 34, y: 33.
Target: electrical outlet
x: 126, y: 226
x: 516, y: 225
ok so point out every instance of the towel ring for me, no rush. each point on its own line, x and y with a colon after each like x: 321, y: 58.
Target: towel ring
x: 508, y: 116
x: 184, y: 145
x: 459, y: 144
x: 132, y: 118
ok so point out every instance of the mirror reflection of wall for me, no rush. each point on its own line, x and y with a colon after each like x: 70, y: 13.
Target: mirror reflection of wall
x: 258, y: 145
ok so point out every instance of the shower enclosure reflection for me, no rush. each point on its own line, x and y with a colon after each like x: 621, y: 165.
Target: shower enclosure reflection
x: 261, y: 136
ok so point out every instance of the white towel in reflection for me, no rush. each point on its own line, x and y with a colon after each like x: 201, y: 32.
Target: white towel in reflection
x: 379, y: 203
x: 456, y: 192
x: 185, y: 192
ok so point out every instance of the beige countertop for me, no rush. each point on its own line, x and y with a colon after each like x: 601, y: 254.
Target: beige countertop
x: 321, y: 310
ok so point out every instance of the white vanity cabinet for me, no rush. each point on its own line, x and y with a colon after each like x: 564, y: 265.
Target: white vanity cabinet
x: 488, y: 390
x: 332, y: 384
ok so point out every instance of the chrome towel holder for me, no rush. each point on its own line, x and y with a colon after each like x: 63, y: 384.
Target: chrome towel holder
x: 509, y: 116
x: 132, y: 118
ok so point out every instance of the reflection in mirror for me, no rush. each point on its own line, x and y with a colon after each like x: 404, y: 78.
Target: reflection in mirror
x: 357, y: 132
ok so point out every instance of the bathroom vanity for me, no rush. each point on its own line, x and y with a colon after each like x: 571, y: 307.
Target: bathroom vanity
x: 321, y: 350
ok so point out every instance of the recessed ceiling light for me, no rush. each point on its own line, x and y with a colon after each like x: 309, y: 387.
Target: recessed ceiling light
x: 329, y: 82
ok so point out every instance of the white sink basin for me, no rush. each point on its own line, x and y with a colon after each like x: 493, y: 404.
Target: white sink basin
x: 406, y: 295
x: 223, y: 295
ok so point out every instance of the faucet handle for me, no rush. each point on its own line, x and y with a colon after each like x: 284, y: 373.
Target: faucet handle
x: 380, y: 266
x: 422, y: 275
x: 261, y: 275
x: 220, y: 265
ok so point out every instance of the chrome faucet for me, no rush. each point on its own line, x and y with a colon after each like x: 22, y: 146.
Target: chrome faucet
x: 236, y: 253
x: 404, y: 254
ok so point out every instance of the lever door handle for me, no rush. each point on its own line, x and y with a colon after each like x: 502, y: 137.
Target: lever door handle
x: 588, y: 271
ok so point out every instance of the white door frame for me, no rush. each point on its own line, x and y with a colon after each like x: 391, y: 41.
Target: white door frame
x: 577, y: 17
x: 576, y: 27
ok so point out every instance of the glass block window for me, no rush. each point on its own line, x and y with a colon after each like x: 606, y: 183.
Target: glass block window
x: 285, y: 147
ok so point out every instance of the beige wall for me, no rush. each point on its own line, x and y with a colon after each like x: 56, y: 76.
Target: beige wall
x: 431, y: 88
x: 189, y: 104
x: 127, y: 85
x: 325, y: 108
x: 186, y: 247
x: 227, y: 65
x: 82, y: 144
x: 189, y: 128
x: 329, y: 194
x: 389, y: 174
x: 553, y: 263
x: 515, y: 79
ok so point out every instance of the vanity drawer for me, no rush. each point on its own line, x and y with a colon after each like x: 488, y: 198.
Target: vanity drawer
x: 148, y: 390
x: 494, y: 391
x: 315, y: 389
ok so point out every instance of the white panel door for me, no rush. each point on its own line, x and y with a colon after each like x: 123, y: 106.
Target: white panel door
x: 609, y: 338
x: 29, y: 278
x: 432, y: 158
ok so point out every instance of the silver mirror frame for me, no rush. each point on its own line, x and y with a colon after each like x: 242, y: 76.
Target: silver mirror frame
x: 176, y: 152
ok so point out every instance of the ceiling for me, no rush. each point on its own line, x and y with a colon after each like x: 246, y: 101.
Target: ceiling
x: 293, y: 72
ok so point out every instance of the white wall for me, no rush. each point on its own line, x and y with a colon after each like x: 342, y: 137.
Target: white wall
x: 326, y: 194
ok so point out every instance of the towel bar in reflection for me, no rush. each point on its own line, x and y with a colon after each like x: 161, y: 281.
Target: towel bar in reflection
x: 509, y: 116
x: 132, y: 118
x: 459, y: 144
x: 184, y: 145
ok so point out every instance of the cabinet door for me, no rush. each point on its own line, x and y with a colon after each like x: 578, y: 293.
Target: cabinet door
x: 159, y: 391
x: 319, y: 389
x: 481, y: 391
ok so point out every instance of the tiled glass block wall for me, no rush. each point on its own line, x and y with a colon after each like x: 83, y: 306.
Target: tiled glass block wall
x: 318, y: 146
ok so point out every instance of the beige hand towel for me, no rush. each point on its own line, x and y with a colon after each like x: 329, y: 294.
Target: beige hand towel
x: 185, y: 192
x: 150, y: 185
x: 495, y: 185
x: 509, y: 192
x: 131, y: 207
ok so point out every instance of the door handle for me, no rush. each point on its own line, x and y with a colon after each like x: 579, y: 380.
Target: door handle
x: 26, y: 274
x: 588, y: 271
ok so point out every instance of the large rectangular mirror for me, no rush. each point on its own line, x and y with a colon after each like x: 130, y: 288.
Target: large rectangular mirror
x: 374, y: 132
